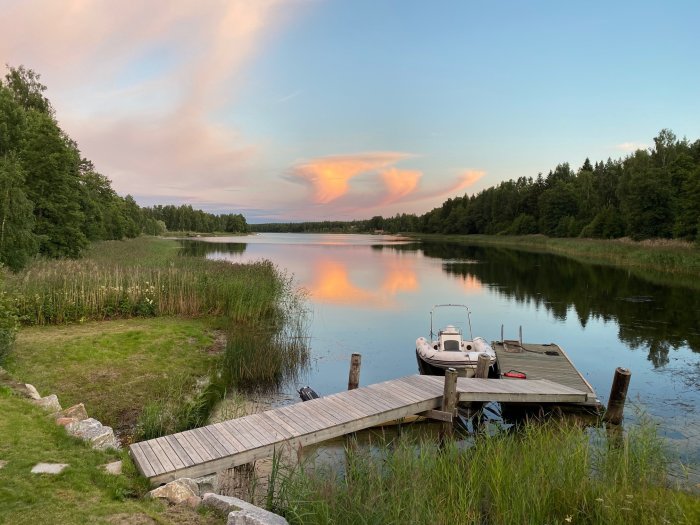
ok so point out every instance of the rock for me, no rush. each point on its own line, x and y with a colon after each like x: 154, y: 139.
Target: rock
x: 99, y: 436
x: 49, y: 403
x: 114, y: 468
x: 176, y: 492
x: 2, y: 463
x: 241, y: 512
x: 31, y: 392
x: 64, y: 421
x: 207, y: 484
x: 77, y: 411
x: 194, y: 502
x: 49, y: 468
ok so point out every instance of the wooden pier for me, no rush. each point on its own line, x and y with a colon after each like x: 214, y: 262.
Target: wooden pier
x: 543, y: 361
x: 212, y: 448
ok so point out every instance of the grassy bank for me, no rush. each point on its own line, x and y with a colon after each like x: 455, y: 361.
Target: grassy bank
x: 543, y: 474
x: 115, y: 368
x: 665, y: 259
x: 152, y: 356
x: 83, y: 493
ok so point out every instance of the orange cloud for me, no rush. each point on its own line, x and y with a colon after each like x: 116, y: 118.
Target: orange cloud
x: 329, y: 176
x: 399, y: 183
x: 466, y: 179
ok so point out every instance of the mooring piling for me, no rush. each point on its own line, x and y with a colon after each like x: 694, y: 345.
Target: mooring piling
x: 482, y: 366
x: 354, y: 376
x: 618, y: 395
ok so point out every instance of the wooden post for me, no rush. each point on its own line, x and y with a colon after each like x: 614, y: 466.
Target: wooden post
x: 618, y: 394
x: 354, y: 377
x: 449, y: 398
x: 482, y: 366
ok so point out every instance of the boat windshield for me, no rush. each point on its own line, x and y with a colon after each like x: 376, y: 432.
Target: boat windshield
x: 451, y: 346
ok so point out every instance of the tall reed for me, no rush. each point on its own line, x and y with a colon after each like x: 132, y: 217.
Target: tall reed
x: 66, y: 291
x: 549, y: 473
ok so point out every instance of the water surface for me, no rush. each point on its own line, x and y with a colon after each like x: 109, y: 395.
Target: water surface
x: 373, y: 294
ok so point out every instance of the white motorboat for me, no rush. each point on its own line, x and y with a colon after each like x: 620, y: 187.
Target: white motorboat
x: 449, y: 349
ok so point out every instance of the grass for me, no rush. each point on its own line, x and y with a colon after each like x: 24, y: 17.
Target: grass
x: 83, y: 493
x: 140, y: 278
x: 149, y: 361
x: 545, y: 473
x: 662, y: 259
x: 115, y: 368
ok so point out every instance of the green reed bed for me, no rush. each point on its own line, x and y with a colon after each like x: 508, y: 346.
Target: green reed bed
x: 545, y: 473
x: 59, y: 292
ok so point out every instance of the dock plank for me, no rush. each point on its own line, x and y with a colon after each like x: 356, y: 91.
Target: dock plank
x: 206, y: 450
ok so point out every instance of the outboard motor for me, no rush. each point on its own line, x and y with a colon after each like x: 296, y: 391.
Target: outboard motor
x: 307, y: 393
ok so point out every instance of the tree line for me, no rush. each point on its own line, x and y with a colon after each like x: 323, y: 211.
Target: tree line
x: 53, y: 202
x: 652, y: 193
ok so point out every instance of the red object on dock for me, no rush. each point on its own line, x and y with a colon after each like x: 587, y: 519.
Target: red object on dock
x: 514, y: 374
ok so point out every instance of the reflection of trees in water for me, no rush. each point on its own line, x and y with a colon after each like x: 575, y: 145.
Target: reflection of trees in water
x: 204, y: 248
x: 657, y: 317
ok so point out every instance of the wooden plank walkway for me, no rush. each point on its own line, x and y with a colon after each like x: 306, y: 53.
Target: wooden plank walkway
x: 212, y: 448
x: 533, y: 360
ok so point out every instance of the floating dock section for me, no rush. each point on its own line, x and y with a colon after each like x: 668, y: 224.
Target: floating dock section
x: 543, y: 361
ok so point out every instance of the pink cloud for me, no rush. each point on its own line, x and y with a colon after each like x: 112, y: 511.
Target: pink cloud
x: 136, y: 84
x: 329, y: 177
x: 399, y: 183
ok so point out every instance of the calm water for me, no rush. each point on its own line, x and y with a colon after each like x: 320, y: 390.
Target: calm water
x: 373, y: 295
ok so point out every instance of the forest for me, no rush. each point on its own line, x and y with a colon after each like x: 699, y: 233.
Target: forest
x: 652, y: 193
x: 53, y: 201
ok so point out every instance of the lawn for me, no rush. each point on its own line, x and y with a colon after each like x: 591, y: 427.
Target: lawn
x: 83, y: 493
x: 115, y: 368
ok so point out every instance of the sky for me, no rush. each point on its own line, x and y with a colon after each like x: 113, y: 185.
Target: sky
x: 291, y: 110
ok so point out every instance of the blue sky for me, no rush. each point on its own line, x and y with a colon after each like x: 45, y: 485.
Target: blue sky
x: 298, y: 110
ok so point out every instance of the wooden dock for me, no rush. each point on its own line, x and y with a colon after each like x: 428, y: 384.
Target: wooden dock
x: 216, y: 447
x: 543, y: 361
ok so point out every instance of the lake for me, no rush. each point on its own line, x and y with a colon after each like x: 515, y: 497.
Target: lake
x: 372, y: 294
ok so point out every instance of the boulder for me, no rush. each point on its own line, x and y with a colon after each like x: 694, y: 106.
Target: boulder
x: 241, y: 512
x: 76, y: 411
x: 49, y: 403
x: 65, y: 421
x: 179, y: 491
x: 30, y: 391
x: 99, y: 436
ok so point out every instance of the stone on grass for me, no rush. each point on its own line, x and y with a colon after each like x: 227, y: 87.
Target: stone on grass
x: 241, y: 512
x: 114, y: 468
x: 77, y: 411
x: 99, y: 436
x: 176, y: 492
x: 2, y: 463
x: 49, y: 403
x: 49, y: 468
x: 64, y: 421
x: 31, y: 392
